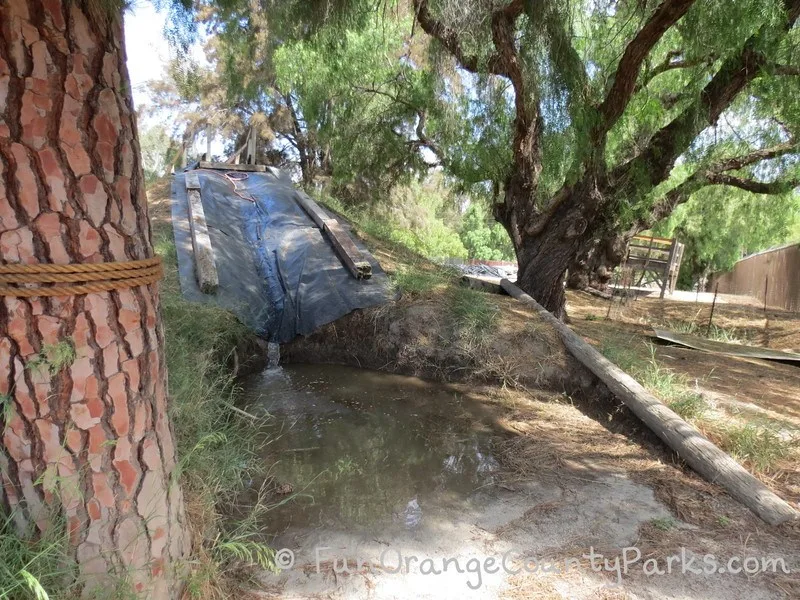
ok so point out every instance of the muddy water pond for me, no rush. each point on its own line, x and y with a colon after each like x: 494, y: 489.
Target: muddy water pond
x: 363, y: 450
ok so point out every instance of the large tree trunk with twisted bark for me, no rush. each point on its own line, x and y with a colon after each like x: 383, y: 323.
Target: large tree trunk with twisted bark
x: 549, y: 230
x: 91, y: 439
x: 594, y: 267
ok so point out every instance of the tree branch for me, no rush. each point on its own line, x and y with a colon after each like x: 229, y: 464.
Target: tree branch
x: 739, y: 162
x: 784, y: 69
x: 422, y: 116
x: 664, y: 17
x: 448, y: 36
x: 670, y: 64
x: 717, y: 174
x: 751, y: 185
x: 672, y: 140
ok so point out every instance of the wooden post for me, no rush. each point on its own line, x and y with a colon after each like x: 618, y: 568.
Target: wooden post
x: 251, y: 147
x: 667, y: 282
x: 611, y: 300
x: 766, y: 289
x: 713, y: 304
x: 205, y: 268
x: 703, y: 456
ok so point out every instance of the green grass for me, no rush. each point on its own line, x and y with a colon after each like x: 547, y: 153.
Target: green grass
x: 416, y: 279
x: 31, y: 565
x: 473, y: 312
x: 756, y: 445
x: 672, y: 388
x: 664, y: 523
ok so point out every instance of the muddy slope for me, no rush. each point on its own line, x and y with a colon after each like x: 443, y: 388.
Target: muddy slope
x: 419, y: 336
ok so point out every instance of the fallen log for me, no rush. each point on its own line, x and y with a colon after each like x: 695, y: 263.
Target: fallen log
x: 699, y: 453
x: 205, y: 267
x: 482, y: 285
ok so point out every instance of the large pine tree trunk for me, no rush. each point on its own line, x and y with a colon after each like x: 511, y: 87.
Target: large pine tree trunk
x: 91, y: 440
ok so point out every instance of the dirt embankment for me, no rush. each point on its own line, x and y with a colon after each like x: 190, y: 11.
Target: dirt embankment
x: 418, y: 335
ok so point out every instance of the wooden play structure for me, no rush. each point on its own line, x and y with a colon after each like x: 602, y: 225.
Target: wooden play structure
x: 654, y: 261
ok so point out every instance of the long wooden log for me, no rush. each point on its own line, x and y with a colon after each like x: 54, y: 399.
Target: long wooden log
x: 704, y: 457
x: 205, y: 267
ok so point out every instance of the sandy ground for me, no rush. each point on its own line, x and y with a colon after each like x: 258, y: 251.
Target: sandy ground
x: 767, y: 388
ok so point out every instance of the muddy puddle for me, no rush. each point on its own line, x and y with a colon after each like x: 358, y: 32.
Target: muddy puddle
x: 359, y: 450
x: 392, y: 490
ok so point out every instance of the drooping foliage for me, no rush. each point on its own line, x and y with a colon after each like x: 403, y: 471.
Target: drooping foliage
x: 483, y: 237
x: 587, y: 119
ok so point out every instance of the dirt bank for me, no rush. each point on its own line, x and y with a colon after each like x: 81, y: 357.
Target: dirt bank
x: 418, y: 335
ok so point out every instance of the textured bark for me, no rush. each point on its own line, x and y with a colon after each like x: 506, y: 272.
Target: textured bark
x: 91, y: 440
x: 544, y: 255
x: 595, y: 266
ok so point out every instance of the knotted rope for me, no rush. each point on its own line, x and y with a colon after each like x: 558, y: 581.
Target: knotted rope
x: 85, y: 278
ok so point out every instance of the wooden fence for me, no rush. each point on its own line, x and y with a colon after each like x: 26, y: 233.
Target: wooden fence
x: 772, y: 276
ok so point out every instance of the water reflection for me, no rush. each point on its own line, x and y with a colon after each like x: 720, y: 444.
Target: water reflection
x: 360, y: 448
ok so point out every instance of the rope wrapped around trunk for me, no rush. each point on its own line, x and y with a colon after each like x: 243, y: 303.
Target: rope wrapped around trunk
x: 77, y: 279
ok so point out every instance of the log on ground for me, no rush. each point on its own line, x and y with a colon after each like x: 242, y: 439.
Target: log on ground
x: 699, y: 453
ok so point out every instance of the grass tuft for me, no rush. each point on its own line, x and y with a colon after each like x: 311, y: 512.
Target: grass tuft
x: 672, y: 388
x: 416, y: 280
x: 30, y: 565
x: 755, y: 445
x: 473, y: 312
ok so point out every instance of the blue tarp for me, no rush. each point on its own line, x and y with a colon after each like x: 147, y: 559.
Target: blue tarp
x: 277, y: 271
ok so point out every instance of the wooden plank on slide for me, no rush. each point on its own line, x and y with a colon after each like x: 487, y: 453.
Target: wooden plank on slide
x: 192, y: 181
x: 692, y: 446
x: 352, y: 258
x: 313, y: 209
x: 205, y: 268
x: 232, y: 167
x: 348, y: 252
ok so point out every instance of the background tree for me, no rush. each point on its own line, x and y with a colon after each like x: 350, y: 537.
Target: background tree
x: 159, y: 152
x: 607, y: 97
x: 85, y: 428
x: 483, y: 237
